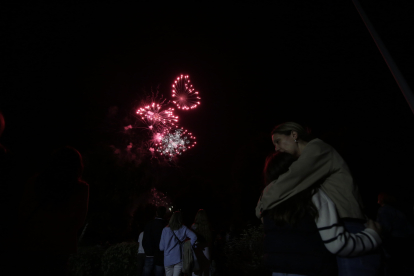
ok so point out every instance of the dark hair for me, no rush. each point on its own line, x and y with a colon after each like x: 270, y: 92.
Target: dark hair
x: 161, y: 210
x: 293, y: 209
x: 277, y: 163
x: 176, y: 221
x: 202, y: 226
x: 288, y: 127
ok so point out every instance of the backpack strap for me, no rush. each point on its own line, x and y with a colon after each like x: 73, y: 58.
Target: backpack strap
x: 179, y: 242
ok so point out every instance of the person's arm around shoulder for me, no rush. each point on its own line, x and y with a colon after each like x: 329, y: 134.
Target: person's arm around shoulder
x: 314, y: 164
x: 335, y: 237
x: 190, y: 234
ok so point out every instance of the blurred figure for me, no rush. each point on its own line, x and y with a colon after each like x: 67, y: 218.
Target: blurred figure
x: 2, y: 126
x: 154, y: 259
x: 141, y: 254
x: 201, y: 227
x: 172, y: 236
x: 230, y: 233
x: 5, y: 168
x: 398, y: 234
x: 5, y: 163
x: 52, y: 210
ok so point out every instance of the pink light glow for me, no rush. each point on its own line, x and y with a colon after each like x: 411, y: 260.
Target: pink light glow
x: 156, y: 117
x: 183, y: 93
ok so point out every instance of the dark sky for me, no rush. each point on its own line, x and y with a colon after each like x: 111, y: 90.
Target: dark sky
x: 255, y: 66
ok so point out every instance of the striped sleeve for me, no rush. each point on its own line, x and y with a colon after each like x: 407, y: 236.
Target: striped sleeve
x: 336, y: 239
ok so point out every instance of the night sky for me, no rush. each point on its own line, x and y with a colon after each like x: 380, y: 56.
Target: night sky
x: 255, y: 66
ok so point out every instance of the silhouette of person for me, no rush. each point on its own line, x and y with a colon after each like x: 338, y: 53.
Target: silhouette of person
x: 398, y: 234
x: 52, y: 210
x: 154, y: 259
x: 201, y: 227
x: 7, y: 194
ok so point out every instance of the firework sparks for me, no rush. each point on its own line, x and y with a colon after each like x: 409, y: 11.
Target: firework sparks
x: 175, y: 143
x: 162, y: 137
x: 156, y: 138
x: 184, y: 95
x: 155, y: 116
x: 158, y: 198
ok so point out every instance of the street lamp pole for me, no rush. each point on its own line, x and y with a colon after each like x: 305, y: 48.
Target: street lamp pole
x: 399, y: 78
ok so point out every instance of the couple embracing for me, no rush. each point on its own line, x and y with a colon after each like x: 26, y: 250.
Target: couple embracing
x: 312, y: 211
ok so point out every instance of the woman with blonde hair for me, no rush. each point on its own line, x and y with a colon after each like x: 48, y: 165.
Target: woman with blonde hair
x: 172, y: 236
x: 201, y: 227
x: 318, y: 161
x: 306, y: 227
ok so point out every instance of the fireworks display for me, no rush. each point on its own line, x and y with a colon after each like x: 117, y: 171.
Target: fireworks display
x: 159, y: 199
x: 175, y: 143
x: 183, y: 94
x: 155, y: 116
x: 165, y: 138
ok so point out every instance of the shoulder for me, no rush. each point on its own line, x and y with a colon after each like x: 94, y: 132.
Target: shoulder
x: 185, y: 229
x: 317, y: 146
x: 166, y: 231
x: 159, y: 224
x: 160, y: 221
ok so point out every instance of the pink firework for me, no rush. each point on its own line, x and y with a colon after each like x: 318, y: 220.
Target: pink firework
x: 156, y: 138
x: 156, y: 117
x: 183, y: 94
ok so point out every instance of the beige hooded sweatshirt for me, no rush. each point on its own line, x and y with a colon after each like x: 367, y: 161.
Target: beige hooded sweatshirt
x: 317, y: 161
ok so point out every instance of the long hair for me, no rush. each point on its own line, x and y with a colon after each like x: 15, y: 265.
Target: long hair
x: 202, y: 226
x: 176, y: 221
x: 296, y: 207
x: 276, y: 164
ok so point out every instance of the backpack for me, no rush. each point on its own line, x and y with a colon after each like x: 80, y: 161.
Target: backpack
x: 190, y: 263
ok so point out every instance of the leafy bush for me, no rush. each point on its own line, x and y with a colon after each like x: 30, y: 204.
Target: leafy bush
x: 87, y: 262
x: 120, y: 259
x: 244, y: 254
